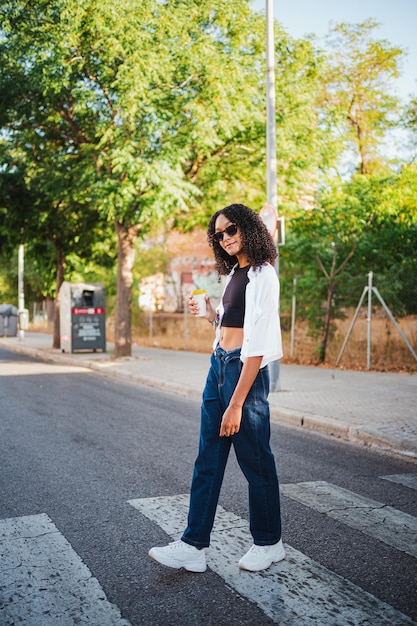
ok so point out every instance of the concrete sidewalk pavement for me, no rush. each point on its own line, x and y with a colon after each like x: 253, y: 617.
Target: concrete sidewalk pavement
x: 373, y: 408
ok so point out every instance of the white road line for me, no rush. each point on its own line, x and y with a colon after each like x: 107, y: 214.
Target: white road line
x: 43, y: 582
x: 296, y: 591
x: 371, y: 517
x: 408, y: 480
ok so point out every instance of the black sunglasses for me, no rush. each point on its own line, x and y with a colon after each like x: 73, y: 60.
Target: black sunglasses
x: 230, y: 230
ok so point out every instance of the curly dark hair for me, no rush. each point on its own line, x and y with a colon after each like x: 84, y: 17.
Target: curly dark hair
x: 257, y: 242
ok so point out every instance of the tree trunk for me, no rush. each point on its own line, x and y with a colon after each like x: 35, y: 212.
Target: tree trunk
x: 330, y: 293
x: 125, y: 258
x: 60, y: 273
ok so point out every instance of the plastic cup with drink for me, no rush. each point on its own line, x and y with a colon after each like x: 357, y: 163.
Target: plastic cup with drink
x: 199, y: 296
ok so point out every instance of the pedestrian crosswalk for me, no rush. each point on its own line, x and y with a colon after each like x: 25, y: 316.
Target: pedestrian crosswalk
x: 298, y: 590
x: 43, y: 582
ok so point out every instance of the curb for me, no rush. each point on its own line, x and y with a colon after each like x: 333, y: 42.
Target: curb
x: 315, y: 423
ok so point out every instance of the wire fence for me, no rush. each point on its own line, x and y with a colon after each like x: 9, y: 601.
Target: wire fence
x: 365, y: 332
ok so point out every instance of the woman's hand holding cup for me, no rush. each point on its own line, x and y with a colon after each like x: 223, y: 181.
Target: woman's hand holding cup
x: 199, y: 304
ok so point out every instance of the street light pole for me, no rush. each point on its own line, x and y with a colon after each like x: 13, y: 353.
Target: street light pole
x: 271, y: 148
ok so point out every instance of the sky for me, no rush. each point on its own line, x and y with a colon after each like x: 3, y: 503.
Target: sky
x: 398, y: 19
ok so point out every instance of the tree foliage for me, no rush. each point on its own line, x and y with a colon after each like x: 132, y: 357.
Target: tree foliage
x: 354, y: 224
x: 126, y: 99
x: 366, y: 224
x: 359, y: 103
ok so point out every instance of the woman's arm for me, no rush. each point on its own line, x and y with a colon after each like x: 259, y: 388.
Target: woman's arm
x: 232, y: 416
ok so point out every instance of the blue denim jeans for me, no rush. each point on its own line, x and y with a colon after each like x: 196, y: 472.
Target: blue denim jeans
x: 252, y: 449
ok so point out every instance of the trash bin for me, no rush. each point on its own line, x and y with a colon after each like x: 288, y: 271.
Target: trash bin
x: 82, y: 316
x: 8, y: 320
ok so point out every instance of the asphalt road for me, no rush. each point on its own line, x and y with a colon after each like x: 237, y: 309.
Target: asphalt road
x: 79, y: 447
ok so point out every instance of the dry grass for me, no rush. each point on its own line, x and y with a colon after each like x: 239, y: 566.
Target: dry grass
x: 389, y: 352
x: 174, y: 332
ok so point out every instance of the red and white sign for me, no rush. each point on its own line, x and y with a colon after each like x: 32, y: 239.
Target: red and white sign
x: 87, y: 311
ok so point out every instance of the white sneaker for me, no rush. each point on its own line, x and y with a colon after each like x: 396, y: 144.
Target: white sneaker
x: 179, y: 554
x: 261, y: 557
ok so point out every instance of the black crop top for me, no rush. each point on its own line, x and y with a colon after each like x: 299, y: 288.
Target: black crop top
x: 234, y: 299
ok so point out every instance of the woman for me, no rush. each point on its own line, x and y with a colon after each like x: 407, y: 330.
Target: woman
x: 235, y: 407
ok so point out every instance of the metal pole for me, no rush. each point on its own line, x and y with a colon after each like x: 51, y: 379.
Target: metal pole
x: 186, y: 326
x: 151, y: 323
x: 294, y: 304
x: 390, y: 315
x: 368, y: 352
x: 271, y: 150
x: 20, y: 287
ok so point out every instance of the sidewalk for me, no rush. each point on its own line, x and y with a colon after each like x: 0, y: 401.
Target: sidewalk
x: 371, y: 408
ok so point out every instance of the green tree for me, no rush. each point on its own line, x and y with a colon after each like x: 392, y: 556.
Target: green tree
x: 389, y: 250
x: 327, y: 245
x: 368, y: 223
x: 137, y: 95
x: 321, y: 245
x: 42, y: 209
x: 359, y: 106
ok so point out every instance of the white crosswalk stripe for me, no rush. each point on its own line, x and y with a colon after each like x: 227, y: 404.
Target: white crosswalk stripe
x: 371, y: 517
x: 43, y: 582
x: 295, y: 591
x: 407, y: 480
